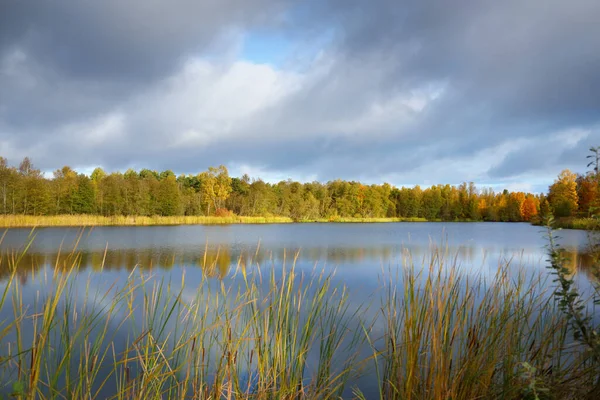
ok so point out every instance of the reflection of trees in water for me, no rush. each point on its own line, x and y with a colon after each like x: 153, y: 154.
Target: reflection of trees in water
x: 578, y: 261
x: 213, y: 262
x: 217, y: 261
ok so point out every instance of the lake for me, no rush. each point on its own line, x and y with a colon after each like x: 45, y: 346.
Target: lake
x: 358, y: 252
x: 357, y: 256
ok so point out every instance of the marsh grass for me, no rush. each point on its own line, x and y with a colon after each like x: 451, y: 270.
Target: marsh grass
x: 29, y: 221
x: 432, y: 332
x: 25, y: 221
x: 368, y: 220
x: 588, y: 224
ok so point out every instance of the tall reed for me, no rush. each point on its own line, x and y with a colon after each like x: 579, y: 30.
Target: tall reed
x: 451, y: 336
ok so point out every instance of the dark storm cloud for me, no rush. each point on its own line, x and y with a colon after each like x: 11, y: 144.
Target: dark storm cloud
x: 399, y: 86
x: 116, y: 39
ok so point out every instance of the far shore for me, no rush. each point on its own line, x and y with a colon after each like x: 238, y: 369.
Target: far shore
x: 30, y: 221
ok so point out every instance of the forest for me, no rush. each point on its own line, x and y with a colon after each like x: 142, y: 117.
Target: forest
x: 25, y: 190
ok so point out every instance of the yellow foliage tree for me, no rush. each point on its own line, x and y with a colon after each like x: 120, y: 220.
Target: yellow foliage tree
x: 563, y: 194
x: 215, y: 186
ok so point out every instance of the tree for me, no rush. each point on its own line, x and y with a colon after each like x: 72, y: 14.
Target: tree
x: 431, y: 203
x: 34, y: 195
x: 65, y: 181
x: 84, y: 198
x: 7, y: 186
x: 515, y: 206
x: 587, y: 190
x: 169, y: 198
x: 112, y: 189
x: 215, y: 185
x: 529, y: 208
x: 562, y: 195
x: 97, y: 178
x: 238, y: 199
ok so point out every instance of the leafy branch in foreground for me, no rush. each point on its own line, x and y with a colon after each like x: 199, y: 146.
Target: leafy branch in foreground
x: 570, y: 301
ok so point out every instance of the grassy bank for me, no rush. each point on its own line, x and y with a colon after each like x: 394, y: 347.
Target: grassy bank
x: 576, y: 223
x: 367, y: 220
x: 25, y: 221
x: 431, y: 332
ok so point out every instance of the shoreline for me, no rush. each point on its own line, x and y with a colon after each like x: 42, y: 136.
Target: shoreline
x: 578, y: 224
x: 30, y: 221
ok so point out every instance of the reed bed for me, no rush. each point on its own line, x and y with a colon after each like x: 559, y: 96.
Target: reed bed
x: 587, y: 224
x: 29, y: 221
x: 368, y: 220
x: 432, y: 332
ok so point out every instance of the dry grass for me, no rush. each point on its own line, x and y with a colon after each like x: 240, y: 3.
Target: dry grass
x: 25, y: 221
x: 367, y: 220
x: 30, y: 221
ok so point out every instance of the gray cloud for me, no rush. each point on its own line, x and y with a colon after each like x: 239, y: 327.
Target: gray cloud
x: 114, y: 39
x: 412, y: 91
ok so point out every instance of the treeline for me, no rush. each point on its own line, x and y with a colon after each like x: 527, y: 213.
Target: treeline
x: 25, y: 190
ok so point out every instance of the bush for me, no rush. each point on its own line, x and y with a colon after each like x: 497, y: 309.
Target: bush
x: 223, y: 213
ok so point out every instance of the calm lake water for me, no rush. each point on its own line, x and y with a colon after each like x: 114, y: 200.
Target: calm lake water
x: 357, y: 253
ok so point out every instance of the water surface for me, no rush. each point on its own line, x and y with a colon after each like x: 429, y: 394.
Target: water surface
x: 357, y: 254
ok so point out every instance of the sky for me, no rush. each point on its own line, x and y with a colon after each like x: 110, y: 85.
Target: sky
x: 502, y: 93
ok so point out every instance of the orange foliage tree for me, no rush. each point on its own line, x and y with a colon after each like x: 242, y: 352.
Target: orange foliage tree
x: 529, y: 208
x: 587, y: 189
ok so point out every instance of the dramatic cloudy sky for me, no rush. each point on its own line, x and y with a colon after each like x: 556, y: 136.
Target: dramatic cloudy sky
x: 503, y: 93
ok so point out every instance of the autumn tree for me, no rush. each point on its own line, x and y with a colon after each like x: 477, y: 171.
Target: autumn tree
x: 562, y: 195
x: 587, y: 189
x: 529, y: 208
x: 215, y: 185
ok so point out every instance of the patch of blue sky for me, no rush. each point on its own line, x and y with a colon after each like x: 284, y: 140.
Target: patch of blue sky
x: 266, y: 48
x: 281, y: 50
